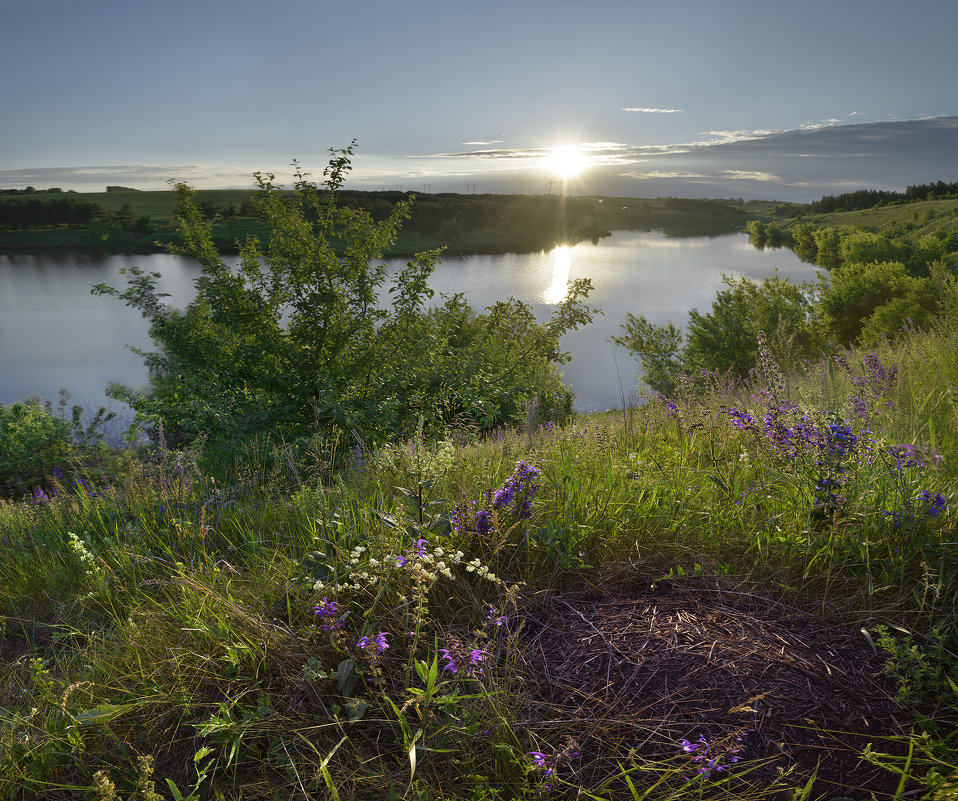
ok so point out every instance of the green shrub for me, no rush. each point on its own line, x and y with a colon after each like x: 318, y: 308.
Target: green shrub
x: 298, y: 342
x: 32, y: 443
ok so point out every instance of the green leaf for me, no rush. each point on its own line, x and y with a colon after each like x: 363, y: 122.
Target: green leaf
x: 103, y: 713
x: 347, y: 677
x: 356, y: 708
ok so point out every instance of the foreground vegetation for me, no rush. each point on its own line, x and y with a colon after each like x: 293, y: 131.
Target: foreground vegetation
x: 374, y: 631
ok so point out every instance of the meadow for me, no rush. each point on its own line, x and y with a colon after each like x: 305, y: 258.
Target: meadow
x: 747, y: 592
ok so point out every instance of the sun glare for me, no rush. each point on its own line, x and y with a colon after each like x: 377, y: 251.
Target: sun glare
x: 561, y: 264
x: 565, y: 162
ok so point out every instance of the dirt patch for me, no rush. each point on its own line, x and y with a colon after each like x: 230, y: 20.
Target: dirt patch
x: 644, y: 669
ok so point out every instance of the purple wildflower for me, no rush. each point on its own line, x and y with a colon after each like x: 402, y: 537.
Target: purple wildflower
x: 377, y: 644
x: 518, y: 490
x: 483, y: 522
x: 457, y: 657
x: 494, y: 618
x: 450, y: 666
x: 709, y: 756
x: 327, y: 611
x: 742, y: 419
x: 41, y: 496
x: 935, y: 502
x: 568, y: 750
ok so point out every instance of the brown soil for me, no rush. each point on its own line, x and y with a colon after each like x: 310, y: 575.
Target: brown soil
x: 639, y: 670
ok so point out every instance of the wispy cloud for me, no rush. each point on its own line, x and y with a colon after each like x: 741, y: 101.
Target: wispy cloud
x: 652, y: 174
x: 751, y: 175
x: 644, y: 110
x: 154, y: 176
x: 800, y: 164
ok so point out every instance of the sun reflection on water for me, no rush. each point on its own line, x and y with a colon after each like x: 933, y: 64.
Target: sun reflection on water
x: 561, y: 262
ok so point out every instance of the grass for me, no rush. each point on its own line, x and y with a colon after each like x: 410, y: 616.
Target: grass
x: 159, y: 629
x: 912, y: 219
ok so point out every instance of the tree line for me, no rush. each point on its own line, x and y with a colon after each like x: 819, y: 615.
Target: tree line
x: 70, y: 212
x: 869, y: 198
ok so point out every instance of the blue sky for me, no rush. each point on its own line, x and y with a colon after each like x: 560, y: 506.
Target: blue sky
x: 735, y: 98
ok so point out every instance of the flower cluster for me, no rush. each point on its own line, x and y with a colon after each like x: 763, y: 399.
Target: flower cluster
x: 82, y: 552
x: 328, y: 614
x: 550, y: 763
x: 742, y: 419
x: 518, y: 491
x: 824, y: 445
x: 459, y: 659
x: 835, y: 443
x: 482, y: 571
x: 908, y: 455
x: 924, y: 504
x: 671, y: 407
x: 513, y: 499
x: 934, y: 502
x: 494, y: 619
x: 874, y: 385
x: 713, y: 756
x: 375, y: 646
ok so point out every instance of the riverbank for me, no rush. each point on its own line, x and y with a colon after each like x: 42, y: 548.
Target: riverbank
x: 142, y: 222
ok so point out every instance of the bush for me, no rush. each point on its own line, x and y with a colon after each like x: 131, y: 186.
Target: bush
x: 298, y: 341
x: 724, y: 341
x: 32, y: 443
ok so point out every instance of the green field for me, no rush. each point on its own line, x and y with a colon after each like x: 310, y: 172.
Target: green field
x: 913, y: 219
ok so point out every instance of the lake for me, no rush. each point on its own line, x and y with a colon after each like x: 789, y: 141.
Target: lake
x: 54, y: 333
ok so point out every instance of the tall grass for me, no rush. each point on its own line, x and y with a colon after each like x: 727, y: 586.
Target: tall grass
x: 225, y: 639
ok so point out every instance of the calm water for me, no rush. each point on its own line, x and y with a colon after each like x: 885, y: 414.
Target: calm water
x: 54, y: 332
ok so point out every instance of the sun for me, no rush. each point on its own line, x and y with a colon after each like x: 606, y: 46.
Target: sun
x: 565, y: 161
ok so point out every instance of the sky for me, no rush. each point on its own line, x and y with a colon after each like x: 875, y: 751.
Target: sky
x: 697, y: 98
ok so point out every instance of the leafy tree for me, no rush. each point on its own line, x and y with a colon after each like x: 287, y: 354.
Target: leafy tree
x: 757, y: 233
x: 827, y: 244
x: 865, y: 247
x: 803, y: 242
x: 32, y: 443
x: 725, y: 339
x: 851, y: 294
x: 298, y: 340
x: 660, y: 349
x: 914, y: 309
